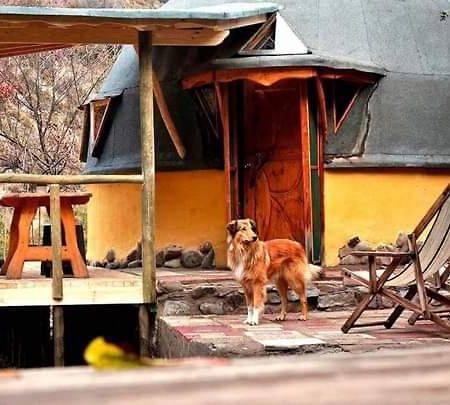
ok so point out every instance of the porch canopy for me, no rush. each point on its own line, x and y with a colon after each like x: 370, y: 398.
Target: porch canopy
x: 26, y: 30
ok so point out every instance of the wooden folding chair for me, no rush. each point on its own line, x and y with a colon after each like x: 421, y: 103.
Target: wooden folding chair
x: 430, y: 261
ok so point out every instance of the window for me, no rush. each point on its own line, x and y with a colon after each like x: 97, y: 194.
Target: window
x: 340, y: 96
x: 101, y: 112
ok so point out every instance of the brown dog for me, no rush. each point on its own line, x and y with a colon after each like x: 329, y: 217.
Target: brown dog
x: 255, y: 263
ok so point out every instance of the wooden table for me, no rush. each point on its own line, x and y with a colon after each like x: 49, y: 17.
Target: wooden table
x: 25, y: 206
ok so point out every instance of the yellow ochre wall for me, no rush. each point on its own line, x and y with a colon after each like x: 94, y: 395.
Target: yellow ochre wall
x: 376, y: 204
x: 190, y: 208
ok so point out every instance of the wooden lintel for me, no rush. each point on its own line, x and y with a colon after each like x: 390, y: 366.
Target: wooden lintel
x: 121, y: 35
x: 264, y: 76
x: 167, y: 118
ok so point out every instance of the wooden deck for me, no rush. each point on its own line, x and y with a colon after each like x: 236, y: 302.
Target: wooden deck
x: 102, y: 287
x: 411, y: 376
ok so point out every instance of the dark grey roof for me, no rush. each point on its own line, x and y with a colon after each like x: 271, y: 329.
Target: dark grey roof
x: 407, y: 114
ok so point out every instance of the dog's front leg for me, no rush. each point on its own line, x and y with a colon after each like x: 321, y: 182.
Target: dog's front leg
x: 249, y: 301
x: 259, y: 299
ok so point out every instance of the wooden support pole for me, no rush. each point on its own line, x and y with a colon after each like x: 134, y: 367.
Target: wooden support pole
x: 144, y: 330
x: 55, y: 219
x: 58, y: 335
x: 148, y: 166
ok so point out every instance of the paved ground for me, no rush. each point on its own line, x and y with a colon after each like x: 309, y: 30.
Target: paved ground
x: 194, y: 276
x: 227, y: 335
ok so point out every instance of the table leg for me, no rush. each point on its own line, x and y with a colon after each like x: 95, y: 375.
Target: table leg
x: 15, y: 265
x: 68, y: 220
x: 13, y: 239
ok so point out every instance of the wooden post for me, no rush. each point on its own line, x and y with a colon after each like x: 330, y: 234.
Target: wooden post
x: 148, y: 186
x: 55, y: 219
x: 58, y: 335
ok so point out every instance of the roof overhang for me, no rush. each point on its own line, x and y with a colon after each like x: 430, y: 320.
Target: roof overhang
x: 32, y: 29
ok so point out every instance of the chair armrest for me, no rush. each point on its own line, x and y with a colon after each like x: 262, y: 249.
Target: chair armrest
x: 380, y: 253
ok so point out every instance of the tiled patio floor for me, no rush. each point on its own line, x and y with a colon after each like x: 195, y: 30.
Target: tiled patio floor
x: 228, y: 335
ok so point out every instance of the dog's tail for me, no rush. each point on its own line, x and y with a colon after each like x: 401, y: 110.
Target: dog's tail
x: 315, y: 271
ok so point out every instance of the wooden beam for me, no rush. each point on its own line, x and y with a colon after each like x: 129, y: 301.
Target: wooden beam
x: 42, y: 179
x: 167, y: 117
x: 55, y: 218
x: 321, y: 102
x: 138, y: 24
x: 148, y: 166
x: 41, y: 35
x: 261, y: 34
x: 222, y: 93
x: 189, y: 37
x: 8, y: 50
x: 305, y: 162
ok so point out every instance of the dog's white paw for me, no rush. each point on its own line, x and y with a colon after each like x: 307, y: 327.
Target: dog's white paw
x: 251, y: 322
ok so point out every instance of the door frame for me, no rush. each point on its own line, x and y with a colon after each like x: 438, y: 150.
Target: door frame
x: 231, y: 111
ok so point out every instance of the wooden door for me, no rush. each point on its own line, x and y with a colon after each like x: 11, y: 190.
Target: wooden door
x: 273, y: 160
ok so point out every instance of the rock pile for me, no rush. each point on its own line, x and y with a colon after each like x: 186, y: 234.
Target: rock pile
x: 172, y: 256
x: 356, y: 244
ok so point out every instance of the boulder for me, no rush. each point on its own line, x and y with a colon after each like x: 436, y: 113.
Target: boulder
x: 191, y: 258
x: 110, y: 256
x: 135, y: 263
x: 132, y: 255
x: 168, y: 287
x: 172, y: 308
x: 336, y: 300
x: 273, y: 298
x: 202, y: 290
x: 173, y: 264
x: 212, y: 308
x: 172, y: 252
x: 363, y: 246
x: 402, y: 242
x: 205, y: 247
x: 352, y: 242
x: 209, y: 260
x: 345, y: 251
x: 123, y: 264
x: 159, y: 258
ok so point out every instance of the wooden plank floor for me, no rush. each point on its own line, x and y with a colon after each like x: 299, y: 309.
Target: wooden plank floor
x: 409, y: 376
x: 102, y: 287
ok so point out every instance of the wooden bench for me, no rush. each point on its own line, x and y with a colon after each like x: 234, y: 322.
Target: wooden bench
x: 25, y: 206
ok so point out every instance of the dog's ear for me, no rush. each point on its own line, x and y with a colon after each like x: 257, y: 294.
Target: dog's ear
x: 253, y: 225
x: 232, y: 227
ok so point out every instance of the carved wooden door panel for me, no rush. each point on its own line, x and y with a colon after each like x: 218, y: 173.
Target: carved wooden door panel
x: 273, y: 183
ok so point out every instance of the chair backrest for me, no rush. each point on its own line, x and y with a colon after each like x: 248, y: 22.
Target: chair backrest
x: 435, y: 250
